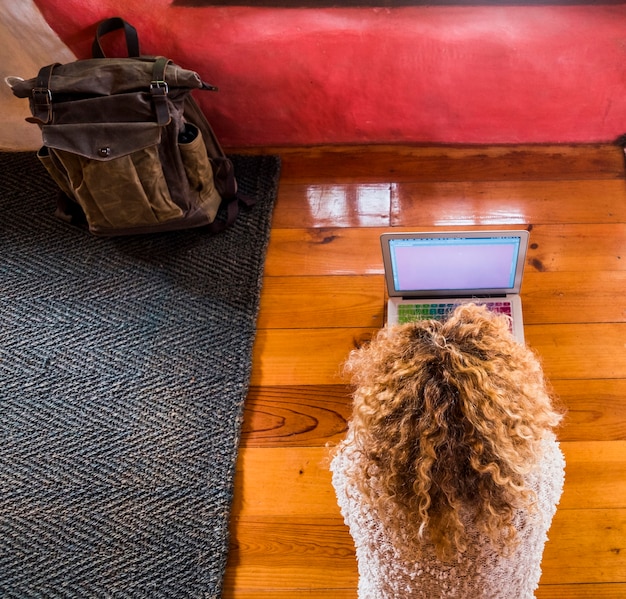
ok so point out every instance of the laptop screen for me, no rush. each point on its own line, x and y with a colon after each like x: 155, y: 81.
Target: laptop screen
x: 454, y: 263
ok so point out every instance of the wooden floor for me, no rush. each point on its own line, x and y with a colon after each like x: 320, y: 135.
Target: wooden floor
x: 323, y: 290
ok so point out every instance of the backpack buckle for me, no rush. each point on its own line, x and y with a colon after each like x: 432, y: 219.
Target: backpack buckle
x: 42, y: 98
x: 159, y: 87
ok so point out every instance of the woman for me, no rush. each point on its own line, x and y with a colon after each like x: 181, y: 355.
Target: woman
x: 450, y: 473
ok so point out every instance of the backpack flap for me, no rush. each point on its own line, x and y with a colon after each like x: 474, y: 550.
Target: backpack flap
x: 101, y: 141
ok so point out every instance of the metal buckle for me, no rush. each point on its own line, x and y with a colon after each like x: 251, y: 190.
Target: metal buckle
x: 45, y: 91
x: 161, y: 86
x: 42, y: 96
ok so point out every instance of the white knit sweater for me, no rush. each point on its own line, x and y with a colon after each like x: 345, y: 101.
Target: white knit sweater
x: 479, y: 574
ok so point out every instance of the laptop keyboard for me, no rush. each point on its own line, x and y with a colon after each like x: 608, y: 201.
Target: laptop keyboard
x: 430, y: 311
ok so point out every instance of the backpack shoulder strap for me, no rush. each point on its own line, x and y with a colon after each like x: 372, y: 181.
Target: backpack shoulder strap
x: 223, y: 169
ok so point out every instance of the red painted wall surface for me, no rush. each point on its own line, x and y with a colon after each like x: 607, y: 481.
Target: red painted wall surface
x: 420, y: 74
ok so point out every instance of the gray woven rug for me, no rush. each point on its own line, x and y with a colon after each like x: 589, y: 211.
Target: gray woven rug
x: 124, y: 365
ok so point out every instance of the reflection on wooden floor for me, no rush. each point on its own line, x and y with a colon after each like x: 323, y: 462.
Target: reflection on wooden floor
x: 324, y: 291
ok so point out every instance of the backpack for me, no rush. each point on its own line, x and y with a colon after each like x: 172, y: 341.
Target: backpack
x: 128, y: 145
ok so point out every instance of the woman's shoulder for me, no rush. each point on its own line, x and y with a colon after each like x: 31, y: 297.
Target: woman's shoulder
x: 551, y: 454
x: 548, y: 478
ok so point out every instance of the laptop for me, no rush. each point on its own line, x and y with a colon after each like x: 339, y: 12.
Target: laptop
x: 429, y: 274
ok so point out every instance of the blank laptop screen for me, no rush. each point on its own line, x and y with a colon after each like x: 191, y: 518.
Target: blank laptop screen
x: 445, y: 263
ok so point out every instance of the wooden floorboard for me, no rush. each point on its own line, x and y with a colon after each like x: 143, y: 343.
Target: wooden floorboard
x: 373, y: 163
x: 305, y: 416
x: 324, y: 293
x: 508, y: 202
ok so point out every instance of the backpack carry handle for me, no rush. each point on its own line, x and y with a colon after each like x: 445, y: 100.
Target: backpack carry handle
x: 113, y: 24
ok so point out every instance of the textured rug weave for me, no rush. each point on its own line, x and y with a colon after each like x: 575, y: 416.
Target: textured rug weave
x: 124, y: 365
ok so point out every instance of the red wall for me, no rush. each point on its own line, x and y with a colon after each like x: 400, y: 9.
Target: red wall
x: 418, y: 74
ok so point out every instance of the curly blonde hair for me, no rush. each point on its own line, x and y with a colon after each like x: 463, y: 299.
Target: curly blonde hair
x: 448, y: 417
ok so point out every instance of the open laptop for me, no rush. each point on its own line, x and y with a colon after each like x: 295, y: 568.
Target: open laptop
x: 429, y: 274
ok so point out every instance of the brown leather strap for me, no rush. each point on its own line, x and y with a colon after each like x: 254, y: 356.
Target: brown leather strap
x: 41, y: 95
x: 159, y: 90
x: 113, y: 24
